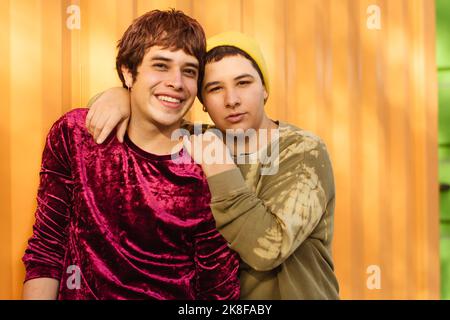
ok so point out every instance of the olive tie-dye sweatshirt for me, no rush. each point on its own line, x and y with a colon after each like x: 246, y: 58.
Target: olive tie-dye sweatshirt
x: 281, y: 224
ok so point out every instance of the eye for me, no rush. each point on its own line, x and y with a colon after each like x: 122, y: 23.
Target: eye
x: 190, y: 72
x: 243, y: 83
x: 214, y: 89
x: 160, y: 66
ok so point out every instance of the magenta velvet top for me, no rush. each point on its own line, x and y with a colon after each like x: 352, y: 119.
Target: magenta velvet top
x: 129, y: 224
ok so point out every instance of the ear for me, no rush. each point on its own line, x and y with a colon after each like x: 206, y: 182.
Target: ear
x: 266, y: 95
x: 127, y: 76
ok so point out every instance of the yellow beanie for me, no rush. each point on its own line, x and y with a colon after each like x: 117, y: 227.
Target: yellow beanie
x: 246, y: 44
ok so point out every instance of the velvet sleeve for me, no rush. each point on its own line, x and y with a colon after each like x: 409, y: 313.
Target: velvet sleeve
x: 216, y: 265
x: 46, y: 248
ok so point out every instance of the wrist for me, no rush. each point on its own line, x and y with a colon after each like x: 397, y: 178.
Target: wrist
x: 214, y: 169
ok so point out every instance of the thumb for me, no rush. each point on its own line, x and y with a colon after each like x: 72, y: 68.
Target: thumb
x: 187, y: 145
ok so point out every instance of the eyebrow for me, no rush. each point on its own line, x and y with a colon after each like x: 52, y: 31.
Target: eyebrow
x: 162, y: 58
x: 245, y: 75
x: 210, y: 84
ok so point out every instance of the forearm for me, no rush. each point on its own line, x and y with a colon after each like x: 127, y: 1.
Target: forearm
x: 243, y: 219
x: 214, y: 169
x: 94, y: 99
x: 40, y: 289
x: 111, y: 95
x: 264, y: 233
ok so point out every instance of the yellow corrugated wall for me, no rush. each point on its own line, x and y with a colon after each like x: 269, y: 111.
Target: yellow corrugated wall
x: 368, y: 89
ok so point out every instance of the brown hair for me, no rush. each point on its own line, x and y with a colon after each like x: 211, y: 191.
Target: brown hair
x: 218, y: 53
x: 169, y: 29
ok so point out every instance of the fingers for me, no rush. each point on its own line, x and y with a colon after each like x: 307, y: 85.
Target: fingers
x: 89, y: 118
x: 97, y: 120
x: 187, y: 145
x: 122, y: 128
x: 196, y: 146
x: 100, y: 123
x: 110, y: 109
x: 209, y: 136
x: 107, y: 128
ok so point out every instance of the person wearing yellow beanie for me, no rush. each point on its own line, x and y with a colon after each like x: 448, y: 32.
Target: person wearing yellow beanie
x: 279, y: 221
x: 246, y: 44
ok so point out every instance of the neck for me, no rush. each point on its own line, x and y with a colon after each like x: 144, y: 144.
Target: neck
x: 151, y: 137
x: 259, y: 140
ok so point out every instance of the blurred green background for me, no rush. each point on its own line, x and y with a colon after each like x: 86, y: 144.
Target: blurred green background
x: 443, y: 62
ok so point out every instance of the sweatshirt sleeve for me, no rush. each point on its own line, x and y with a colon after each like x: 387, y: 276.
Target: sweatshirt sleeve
x: 265, y: 229
x: 94, y: 98
x: 47, y: 246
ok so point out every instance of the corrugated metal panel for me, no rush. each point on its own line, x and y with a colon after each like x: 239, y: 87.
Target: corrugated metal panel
x: 371, y: 94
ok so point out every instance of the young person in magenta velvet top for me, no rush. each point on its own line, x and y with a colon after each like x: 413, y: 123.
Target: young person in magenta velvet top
x: 123, y: 220
x: 280, y: 221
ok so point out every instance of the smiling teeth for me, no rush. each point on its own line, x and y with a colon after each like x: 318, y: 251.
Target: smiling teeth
x: 169, y: 99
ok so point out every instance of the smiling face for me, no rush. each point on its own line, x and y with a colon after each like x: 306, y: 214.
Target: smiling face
x: 233, y: 94
x: 164, y: 88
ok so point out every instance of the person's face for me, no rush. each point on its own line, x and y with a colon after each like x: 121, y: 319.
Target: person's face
x: 165, y: 86
x: 233, y: 94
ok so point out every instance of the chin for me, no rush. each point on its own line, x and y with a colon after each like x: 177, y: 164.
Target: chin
x: 165, y: 118
x: 238, y: 126
x: 168, y: 122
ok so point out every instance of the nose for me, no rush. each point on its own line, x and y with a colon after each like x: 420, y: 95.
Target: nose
x: 175, y: 80
x: 232, y: 99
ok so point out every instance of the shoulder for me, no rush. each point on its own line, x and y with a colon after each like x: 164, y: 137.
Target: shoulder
x: 75, y: 118
x: 294, y: 140
x: 70, y: 129
x: 304, y: 154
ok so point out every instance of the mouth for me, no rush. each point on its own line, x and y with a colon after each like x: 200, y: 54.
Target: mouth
x: 236, y: 117
x: 170, y: 101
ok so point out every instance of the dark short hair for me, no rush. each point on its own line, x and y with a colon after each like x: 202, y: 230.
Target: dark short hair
x: 217, y: 54
x: 171, y: 29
